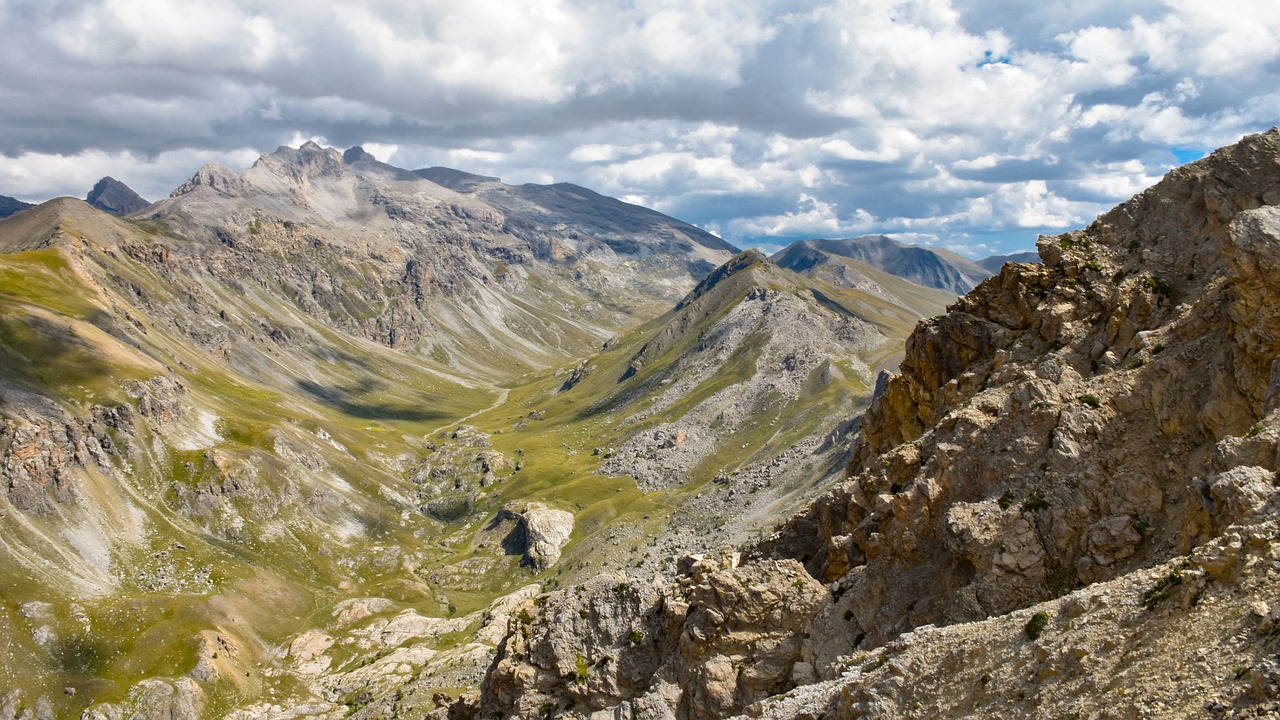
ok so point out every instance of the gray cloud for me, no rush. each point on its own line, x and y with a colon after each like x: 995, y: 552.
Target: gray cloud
x: 953, y: 120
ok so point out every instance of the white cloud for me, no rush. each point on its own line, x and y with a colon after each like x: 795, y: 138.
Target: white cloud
x: 42, y: 176
x: 938, y: 117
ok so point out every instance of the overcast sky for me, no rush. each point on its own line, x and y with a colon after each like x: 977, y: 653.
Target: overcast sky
x: 962, y: 123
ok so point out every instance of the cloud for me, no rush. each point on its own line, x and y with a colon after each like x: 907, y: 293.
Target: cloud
x: 951, y: 119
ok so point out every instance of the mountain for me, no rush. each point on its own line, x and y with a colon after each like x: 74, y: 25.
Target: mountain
x: 930, y: 267
x: 1063, y: 505
x: 9, y: 206
x: 602, y: 221
x: 112, y: 196
x: 395, y: 258
x: 806, y: 258
x: 993, y: 263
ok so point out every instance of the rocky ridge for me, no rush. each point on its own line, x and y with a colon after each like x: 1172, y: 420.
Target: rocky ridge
x: 1109, y: 418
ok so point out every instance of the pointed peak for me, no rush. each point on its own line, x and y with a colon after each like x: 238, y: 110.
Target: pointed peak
x: 357, y: 154
x: 112, y: 196
x: 216, y: 176
x: 745, y: 261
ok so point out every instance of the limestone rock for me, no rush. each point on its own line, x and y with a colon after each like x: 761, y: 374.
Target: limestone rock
x: 706, y: 646
x: 545, y: 530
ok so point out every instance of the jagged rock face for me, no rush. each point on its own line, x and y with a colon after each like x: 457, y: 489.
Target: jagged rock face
x: 718, y: 639
x: 112, y: 196
x: 1058, y: 425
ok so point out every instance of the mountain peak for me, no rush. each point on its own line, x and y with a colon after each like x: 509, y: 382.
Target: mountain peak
x: 112, y: 196
x: 10, y: 206
x: 742, y: 262
x: 357, y: 154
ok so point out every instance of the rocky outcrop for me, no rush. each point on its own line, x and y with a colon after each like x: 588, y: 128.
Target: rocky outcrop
x: 545, y: 531
x: 1058, y: 425
x: 42, y: 447
x: 719, y: 638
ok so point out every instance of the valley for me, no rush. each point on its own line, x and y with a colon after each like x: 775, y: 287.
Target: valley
x: 297, y: 440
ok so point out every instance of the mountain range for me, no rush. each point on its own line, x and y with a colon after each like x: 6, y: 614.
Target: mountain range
x: 330, y: 438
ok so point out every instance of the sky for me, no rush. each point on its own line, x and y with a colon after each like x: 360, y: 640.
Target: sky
x: 966, y: 124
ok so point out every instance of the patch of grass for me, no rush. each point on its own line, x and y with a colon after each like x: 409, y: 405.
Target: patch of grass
x: 1092, y: 401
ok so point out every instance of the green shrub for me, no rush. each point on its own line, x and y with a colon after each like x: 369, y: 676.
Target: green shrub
x: 1005, y: 501
x: 1035, y: 626
x: 1163, y: 587
x: 636, y: 637
x: 1035, y: 502
x: 1092, y: 401
x: 1157, y: 285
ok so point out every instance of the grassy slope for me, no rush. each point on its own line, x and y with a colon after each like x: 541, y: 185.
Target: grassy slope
x: 334, y: 519
x: 61, y: 336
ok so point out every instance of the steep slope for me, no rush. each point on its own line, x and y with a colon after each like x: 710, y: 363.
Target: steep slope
x: 9, y: 206
x: 931, y: 267
x: 387, y: 255
x: 1085, y: 421
x: 603, y: 227
x: 112, y: 196
x: 155, y: 500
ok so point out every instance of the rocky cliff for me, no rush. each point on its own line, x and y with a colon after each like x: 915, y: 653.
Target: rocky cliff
x: 1108, y: 419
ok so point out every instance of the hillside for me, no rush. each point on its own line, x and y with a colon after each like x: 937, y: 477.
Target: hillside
x: 930, y: 267
x: 1064, y: 505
